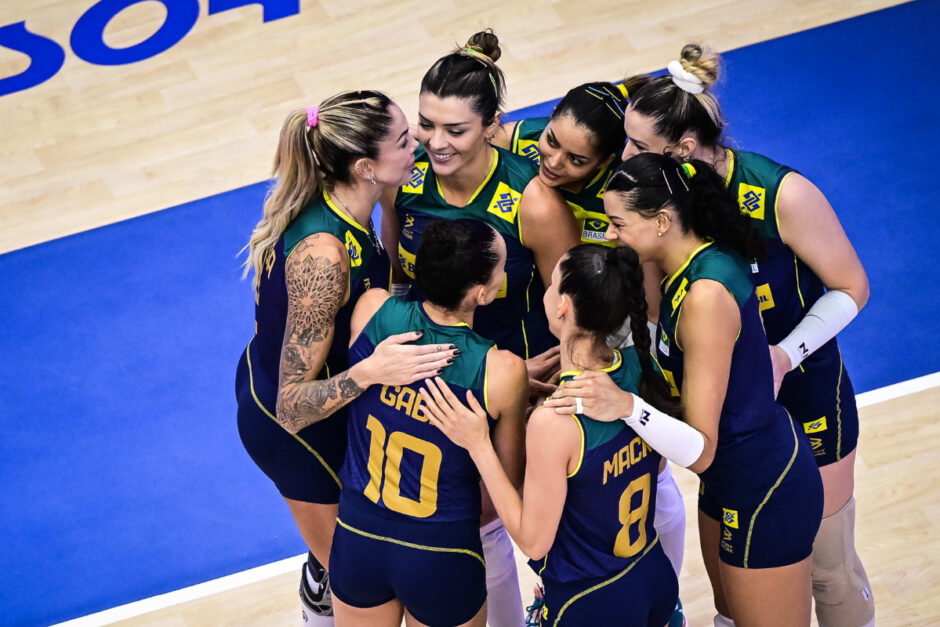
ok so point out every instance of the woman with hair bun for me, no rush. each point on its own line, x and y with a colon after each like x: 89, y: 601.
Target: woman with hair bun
x: 458, y: 174
x: 407, y: 537
x: 810, y: 286
x: 755, y: 470
x: 577, y: 149
x: 313, y: 253
x: 585, y: 515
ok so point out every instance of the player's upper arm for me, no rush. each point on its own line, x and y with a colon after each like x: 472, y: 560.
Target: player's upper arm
x: 507, y: 393
x: 547, y: 226
x: 709, y: 325
x: 809, y: 226
x: 553, y: 445
x: 365, y: 308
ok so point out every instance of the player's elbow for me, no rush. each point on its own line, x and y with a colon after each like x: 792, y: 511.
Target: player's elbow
x: 536, y: 549
x: 282, y: 414
x: 704, y: 460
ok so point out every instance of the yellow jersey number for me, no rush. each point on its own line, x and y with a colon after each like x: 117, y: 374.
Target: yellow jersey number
x: 385, y: 458
x: 623, y: 547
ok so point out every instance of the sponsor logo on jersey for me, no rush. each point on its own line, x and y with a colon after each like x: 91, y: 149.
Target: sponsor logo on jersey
x: 663, y: 342
x: 751, y: 200
x: 817, y: 445
x: 366, y: 283
x: 726, y: 534
x: 680, y: 294
x: 729, y: 517
x: 815, y: 426
x: 754, y: 268
x: 594, y: 230
x: 353, y: 250
x: 505, y: 203
x: 530, y: 150
x: 407, y: 261
x: 765, y: 299
x: 416, y: 184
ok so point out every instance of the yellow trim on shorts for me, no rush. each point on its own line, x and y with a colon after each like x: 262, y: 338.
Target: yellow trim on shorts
x: 251, y: 382
x: 839, y: 409
x: 750, y: 527
x: 604, y: 583
x: 411, y: 545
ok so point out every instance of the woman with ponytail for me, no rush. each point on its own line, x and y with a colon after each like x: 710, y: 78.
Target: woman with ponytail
x: 313, y: 253
x: 585, y: 515
x: 755, y: 470
x: 811, y: 285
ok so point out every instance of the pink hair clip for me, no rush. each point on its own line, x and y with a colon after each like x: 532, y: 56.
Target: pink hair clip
x: 313, y: 114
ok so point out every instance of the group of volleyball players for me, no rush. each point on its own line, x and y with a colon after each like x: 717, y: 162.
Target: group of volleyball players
x: 514, y: 361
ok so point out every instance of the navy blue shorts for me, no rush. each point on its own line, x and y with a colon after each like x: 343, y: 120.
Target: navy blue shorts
x: 304, y: 467
x: 820, y: 397
x: 435, y: 569
x: 644, y: 594
x: 775, y: 526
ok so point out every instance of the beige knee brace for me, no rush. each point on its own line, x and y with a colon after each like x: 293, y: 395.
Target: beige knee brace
x: 840, y: 585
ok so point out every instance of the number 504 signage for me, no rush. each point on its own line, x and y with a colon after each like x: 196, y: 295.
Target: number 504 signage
x: 87, y: 39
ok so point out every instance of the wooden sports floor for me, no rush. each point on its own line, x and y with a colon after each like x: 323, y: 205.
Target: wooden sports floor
x: 97, y: 144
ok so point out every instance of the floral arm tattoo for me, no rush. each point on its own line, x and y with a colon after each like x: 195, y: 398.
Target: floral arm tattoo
x: 316, y: 288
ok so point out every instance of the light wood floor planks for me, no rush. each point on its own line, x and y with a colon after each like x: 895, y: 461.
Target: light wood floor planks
x: 98, y: 144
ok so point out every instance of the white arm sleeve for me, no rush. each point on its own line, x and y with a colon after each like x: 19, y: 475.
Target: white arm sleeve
x: 828, y: 315
x: 672, y: 438
x: 400, y: 289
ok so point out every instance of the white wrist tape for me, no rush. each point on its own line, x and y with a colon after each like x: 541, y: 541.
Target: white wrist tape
x: 400, y: 289
x: 672, y: 438
x: 828, y: 315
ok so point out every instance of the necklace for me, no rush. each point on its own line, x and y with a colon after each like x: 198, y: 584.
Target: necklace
x: 376, y: 242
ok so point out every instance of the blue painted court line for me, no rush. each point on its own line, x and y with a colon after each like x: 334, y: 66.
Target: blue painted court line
x: 123, y: 476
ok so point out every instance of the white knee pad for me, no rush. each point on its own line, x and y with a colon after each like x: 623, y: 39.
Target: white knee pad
x: 840, y: 585
x: 669, y: 519
x: 503, y: 599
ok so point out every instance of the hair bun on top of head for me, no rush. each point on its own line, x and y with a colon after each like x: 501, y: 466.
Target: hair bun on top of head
x: 484, y: 43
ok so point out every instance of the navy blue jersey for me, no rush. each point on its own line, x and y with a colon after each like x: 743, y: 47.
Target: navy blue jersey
x: 515, y: 320
x: 607, y: 521
x: 369, y: 267
x: 749, y: 412
x: 395, y: 457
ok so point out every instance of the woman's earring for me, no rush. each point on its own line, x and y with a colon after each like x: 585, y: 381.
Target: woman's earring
x: 659, y: 233
x: 372, y: 178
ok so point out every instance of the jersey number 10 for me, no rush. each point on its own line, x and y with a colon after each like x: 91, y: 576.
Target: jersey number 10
x: 391, y: 453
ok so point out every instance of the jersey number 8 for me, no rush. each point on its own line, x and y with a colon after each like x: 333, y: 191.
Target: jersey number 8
x: 623, y: 547
x: 392, y: 453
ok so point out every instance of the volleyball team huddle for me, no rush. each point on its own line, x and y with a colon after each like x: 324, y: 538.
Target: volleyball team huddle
x: 551, y: 310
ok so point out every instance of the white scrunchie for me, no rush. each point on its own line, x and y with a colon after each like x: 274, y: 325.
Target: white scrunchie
x: 686, y: 81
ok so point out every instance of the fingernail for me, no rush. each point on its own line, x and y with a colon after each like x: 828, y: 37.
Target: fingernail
x: 451, y: 360
x: 440, y: 371
x: 453, y: 347
x: 457, y: 351
x: 420, y: 333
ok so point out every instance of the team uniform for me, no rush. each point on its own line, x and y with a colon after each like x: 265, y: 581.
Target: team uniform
x: 304, y: 466
x: 587, y: 205
x: 515, y: 321
x: 818, y: 394
x: 409, y: 512
x: 606, y: 565
x: 763, y: 484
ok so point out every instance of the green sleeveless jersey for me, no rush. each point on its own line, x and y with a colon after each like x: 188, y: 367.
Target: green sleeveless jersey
x: 369, y: 267
x: 786, y: 287
x: 587, y: 205
x: 515, y: 320
x: 426, y: 476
